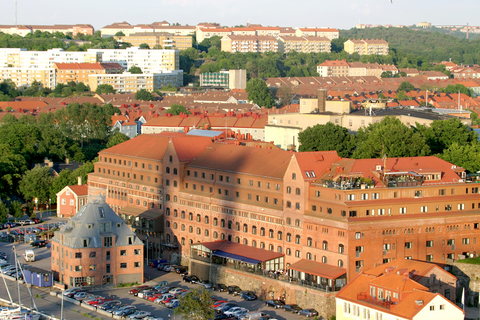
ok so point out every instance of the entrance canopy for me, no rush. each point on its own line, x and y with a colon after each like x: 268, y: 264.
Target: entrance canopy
x: 232, y: 256
x: 318, y: 269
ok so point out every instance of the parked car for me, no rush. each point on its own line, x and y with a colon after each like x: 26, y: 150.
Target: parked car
x: 161, y: 284
x: 165, y: 289
x: 308, y: 313
x: 26, y: 221
x: 232, y: 310
x: 154, y: 297
x: 218, y: 302
x: 176, y: 290
x: 120, y: 311
x: 39, y: 243
x: 181, y: 270
x: 11, y: 224
x: 205, y: 284
x: 135, y: 290
x: 148, y: 294
x: 235, y: 290
x: 109, y: 305
x: 190, y: 279
x: 37, y: 220
x: 294, y: 308
x: 276, y: 304
x: 247, y: 295
x: 225, y: 306
x: 69, y: 293
x: 171, y: 303
x: 141, y: 293
x: 82, y: 296
x: 126, y: 312
x: 219, y: 287
x: 139, y: 314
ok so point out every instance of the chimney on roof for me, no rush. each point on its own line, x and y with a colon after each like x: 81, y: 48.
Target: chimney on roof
x: 67, y: 160
x: 79, y: 181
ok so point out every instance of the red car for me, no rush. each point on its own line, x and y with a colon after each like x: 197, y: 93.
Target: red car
x: 152, y: 298
x: 99, y: 302
x: 217, y: 303
x: 95, y: 301
x: 133, y: 291
x: 37, y: 220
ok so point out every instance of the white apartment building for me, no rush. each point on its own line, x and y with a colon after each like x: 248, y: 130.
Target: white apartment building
x: 150, y: 61
x: 22, y: 58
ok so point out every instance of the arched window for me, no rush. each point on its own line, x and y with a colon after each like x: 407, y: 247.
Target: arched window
x: 183, y: 227
x: 175, y: 171
x: 289, y: 190
x: 167, y: 224
x: 167, y: 197
x: 254, y: 229
x: 183, y: 241
x: 199, y: 218
x: 174, y: 198
x: 289, y: 237
x: 289, y: 221
x: 183, y: 214
x: 289, y: 204
x: 270, y: 233
x: 297, y: 205
x: 279, y: 235
x: 222, y: 223
x: 341, y: 248
x: 175, y: 183
x: 270, y: 247
x: 175, y: 213
x: 206, y: 232
x: 175, y: 225
x: 215, y: 221
x: 215, y: 234
x: 190, y: 216
x: 297, y: 191
x: 170, y: 158
x: 190, y: 229
x: 297, y: 223
x: 206, y: 219
x: 254, y: 243
x: 167, y: 182
x: 223, y: 236
x: 340, y: 263
x: 325, y: 245
x: 167, y: 169
x: 245, y: 227
x: 324, y: 259
x: 297, y: 253
x: 168, y: 212
x: 262, y: 231
x: 297, y: 239
x: 289, y: 252
x: 262, y: 245
x: 237, y: 239
x: 199, y: 231
x: 309, y: 256
x: 237, y: 226
x: 245, y: 242
x: 229, y: 224
x: 309, y: 242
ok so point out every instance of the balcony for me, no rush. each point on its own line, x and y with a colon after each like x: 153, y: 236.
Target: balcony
x: 363, y: 296
x: 348, y: 183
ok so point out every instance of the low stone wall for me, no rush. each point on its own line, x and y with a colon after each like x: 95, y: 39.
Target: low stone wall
x: 468, y: 276
x: 268, y: 288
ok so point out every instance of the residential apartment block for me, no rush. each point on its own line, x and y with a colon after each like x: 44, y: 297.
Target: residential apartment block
x: 342, y: 68
x: 22, y: 58
x: 85, y: 29
x: 347, y: 215
x: 234, y: 43
x: 79, y: 72
x: 365, y: 47
x: 149, y: 60
x: 96, y: 247
x: 318, y: 32
x: 23, y: 77
x: 128, y: 82
x: 304, y: 44
x: 158, y: 39
x: 331, y: 68
x: 232, y: 79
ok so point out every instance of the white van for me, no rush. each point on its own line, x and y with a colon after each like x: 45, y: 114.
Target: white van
x: 253, y: 315
x: 29, y: 256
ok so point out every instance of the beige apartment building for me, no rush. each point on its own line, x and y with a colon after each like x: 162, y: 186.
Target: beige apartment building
x: 158, y: 40
x: 233, y: 43
x: 128, y: 82
x: 317, y: 32
x: 366, y: 47
x: 205, y: 33
x: 86, y: 29
x: 333, y: 68
x: 23, y: 77
x: 304, y: 44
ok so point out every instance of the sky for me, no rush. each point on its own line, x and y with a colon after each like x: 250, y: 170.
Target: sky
x: 341, y: 14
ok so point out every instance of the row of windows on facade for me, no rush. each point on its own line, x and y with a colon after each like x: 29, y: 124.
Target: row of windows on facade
x: 432, y: 229
x: 206, y: 219
x: 135, y: 164
x: 93, y: 267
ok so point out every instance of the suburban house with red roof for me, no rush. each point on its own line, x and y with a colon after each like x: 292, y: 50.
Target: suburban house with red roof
x: 71, y: 198
x: 393, y: 294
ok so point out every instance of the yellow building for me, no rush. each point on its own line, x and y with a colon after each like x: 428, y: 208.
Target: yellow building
x: 365, y: 47
x: 23, y: 77
x: 205, y: 33
x: 158, y: 40
x: 79, y: 72
x: 304, y: 44
x: 233, y: 43
x: 317, y: 32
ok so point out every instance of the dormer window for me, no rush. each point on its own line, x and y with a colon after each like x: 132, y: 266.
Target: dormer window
x: 101, y: 212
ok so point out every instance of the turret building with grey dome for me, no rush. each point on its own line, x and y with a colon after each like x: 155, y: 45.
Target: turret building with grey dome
x: 96, y: 247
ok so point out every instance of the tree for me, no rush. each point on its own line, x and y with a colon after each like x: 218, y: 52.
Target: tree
x: 144, y: 46
x: 81, y: 87
x: 177, y: 109
x: 406, y: 86
x: 12, y: 166
x: 105, y: 89
x: 135, y: 70
x: 326, y: 137
x: 119, y: 34
x: 144, y: 95
x: 258, y: 93
x: 116, y: 138
x: 196, y: 305
x: 387, y: 74
x: 441, y: 134
x: 36, y: 183
x: 401, y: 95
x: 285, y: 95
x: 466, y: 156
x: 392, y: 138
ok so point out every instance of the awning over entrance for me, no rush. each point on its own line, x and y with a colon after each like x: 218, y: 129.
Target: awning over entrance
x: 240, y: 250
x: 232, y: 256
x: 318, y: 269
x: 139, y: 212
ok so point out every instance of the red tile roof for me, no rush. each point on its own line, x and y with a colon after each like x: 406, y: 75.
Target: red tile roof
x: 79, y: 190
x: 319, y: 269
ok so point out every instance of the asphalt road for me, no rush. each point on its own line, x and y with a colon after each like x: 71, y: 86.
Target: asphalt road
x: 51, y: 305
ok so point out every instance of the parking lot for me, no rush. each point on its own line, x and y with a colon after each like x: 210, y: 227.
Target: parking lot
x: 51, y: 305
